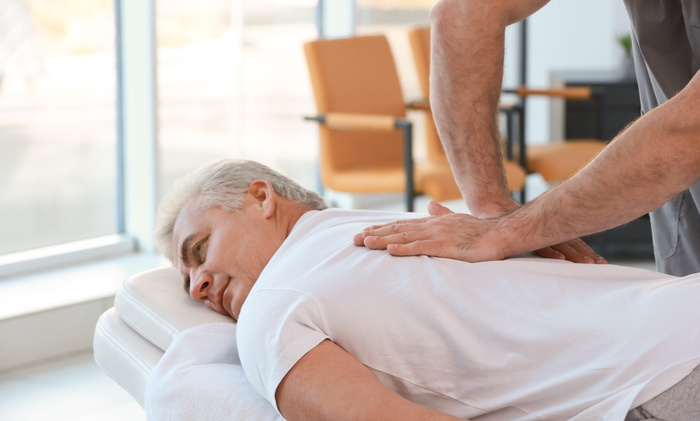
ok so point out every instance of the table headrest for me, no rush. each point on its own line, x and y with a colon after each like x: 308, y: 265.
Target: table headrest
x: 154, y: 304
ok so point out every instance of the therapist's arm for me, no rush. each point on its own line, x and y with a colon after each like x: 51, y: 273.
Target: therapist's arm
x: 330, y: 384
x: 467, y: 53
x: 467, y: 49
x: 653, y: 160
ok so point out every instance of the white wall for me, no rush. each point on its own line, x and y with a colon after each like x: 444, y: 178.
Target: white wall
x: 565, y: 35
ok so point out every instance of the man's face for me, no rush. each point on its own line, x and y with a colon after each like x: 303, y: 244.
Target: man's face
x: 222, y: 253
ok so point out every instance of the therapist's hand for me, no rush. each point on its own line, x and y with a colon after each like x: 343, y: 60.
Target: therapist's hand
x: 457, y: 236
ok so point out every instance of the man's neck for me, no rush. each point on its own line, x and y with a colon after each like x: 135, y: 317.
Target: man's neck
x: 290, y: 214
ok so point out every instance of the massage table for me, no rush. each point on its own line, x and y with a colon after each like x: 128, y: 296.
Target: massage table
x: 170, y: 352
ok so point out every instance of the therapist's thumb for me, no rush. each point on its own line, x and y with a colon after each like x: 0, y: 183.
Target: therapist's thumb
x: 436, y: 209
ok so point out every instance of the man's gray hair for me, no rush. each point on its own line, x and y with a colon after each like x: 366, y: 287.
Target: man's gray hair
x: 223, y: 183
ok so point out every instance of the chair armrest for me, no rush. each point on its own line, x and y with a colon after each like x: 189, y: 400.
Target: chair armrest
x: 344, y: 121
x: 422, y: 104
x: 574, y: 93
x: 347, y: 121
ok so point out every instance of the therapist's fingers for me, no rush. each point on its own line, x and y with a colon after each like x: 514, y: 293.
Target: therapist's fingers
x: 379, y: 237
x: 574, y: 250
x: 582, y: 249
x: 422, y: 247
x: 416, y: 242
x: 389, y: 230
x: 551, y: 253
x: 397, y: 231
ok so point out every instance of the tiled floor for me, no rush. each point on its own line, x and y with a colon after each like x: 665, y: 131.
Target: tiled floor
x: 72, y: 389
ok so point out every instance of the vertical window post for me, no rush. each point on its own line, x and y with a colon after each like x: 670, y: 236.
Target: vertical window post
x: 335, y: 18
x: 137, y: 124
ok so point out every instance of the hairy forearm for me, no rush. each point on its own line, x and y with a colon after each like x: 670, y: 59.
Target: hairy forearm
x: 466, y: 75
x: 652, y: 161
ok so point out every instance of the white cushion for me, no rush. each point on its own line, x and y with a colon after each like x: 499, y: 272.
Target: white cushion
x: 155, y: 305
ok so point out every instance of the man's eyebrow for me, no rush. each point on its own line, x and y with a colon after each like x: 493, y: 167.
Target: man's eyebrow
x: 184, y: 250
x: 185, y: 258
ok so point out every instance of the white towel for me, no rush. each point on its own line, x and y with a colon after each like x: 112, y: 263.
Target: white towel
x: 200, y: 378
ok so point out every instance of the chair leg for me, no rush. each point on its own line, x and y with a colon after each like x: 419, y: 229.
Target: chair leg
x: 407, y: 128
x: 520, y: 111
x: 511, y: 114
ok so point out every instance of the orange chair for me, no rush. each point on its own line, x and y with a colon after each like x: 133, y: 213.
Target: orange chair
x: 365, y: 139
x: 557, y: 161
x: 554, y: 161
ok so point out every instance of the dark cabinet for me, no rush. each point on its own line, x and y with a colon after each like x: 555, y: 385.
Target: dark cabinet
x: 619, y: 103
x: 619, y: 106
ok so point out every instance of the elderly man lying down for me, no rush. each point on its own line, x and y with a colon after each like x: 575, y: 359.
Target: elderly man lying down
x: 330, y: 330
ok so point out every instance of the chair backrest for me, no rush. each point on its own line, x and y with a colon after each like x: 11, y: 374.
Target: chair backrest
x: 420, y: 45
x: 356, y: 75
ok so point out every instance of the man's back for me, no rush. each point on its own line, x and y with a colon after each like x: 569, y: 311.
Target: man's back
x: 509, y: 339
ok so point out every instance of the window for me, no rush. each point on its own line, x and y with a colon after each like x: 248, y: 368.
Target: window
x: 57, y: 122
x: 232, y: 82
x: 394, y: 18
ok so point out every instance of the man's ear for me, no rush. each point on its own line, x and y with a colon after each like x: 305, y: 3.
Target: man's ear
x: 263, y: 196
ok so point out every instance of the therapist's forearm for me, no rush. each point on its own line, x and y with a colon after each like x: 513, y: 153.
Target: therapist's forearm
x: 652, y: 161
x: 465, y: 83
x: 467, y: 49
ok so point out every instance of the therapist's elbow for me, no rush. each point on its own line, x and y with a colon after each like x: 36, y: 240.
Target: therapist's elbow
x: 464, y: 13
x: 681, y: 116
x: 440, y: 10
x: 498, y: 13
x: 445, y: 10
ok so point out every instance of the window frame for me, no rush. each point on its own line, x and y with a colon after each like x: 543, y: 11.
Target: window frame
x: 136, y: 154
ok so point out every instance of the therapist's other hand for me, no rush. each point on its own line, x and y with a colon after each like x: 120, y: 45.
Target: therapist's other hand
x: 457, y: 236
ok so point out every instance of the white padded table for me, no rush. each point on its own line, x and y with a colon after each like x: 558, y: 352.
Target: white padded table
x: 150, y: 310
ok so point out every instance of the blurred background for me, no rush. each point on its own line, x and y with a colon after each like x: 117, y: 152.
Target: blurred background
x: 229, y: 79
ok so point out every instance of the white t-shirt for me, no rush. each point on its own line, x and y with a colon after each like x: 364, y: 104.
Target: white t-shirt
x: 524, y: 338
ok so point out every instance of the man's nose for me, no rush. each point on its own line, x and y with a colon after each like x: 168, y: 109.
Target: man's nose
x: 200, y: 284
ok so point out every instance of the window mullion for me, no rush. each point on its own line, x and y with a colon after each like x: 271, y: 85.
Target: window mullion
x: 137, y: 109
